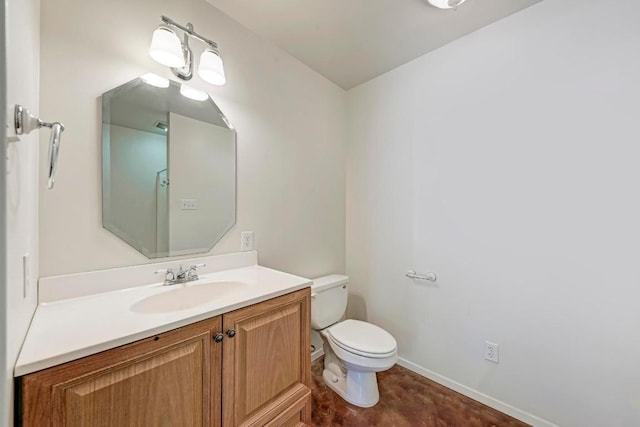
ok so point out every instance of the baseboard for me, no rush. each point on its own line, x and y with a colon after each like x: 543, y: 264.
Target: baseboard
x: 476, y: 395
x: 317, y: 354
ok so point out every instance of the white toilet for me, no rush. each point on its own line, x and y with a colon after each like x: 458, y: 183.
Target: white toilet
x: 353, y: 350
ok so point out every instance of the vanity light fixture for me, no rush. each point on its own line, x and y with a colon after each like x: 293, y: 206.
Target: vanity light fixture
x: 167, y: 49
x: 445, y: 4
x: 192, y: 93
x: 211, y: 69
x: 155, y: 80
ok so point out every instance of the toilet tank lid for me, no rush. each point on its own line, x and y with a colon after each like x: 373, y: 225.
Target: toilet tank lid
x: 326, y: 282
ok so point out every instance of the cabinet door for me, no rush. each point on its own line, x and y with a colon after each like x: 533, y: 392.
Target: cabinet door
x: 294, y: 416
x: 266, y: 364
x: 172, y: 379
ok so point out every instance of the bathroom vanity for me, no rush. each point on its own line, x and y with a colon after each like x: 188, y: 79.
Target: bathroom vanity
x: 212, y: 341
x: 239, y: 358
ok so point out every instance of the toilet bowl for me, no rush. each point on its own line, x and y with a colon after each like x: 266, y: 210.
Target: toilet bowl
x: 354, y: 350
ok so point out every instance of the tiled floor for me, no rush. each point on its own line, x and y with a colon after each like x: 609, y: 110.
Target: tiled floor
x: 406, y: 400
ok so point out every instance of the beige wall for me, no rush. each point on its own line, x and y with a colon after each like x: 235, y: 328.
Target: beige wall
x: 290, y: 123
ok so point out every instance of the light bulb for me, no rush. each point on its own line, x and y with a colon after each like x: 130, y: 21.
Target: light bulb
x: 446, y: 4
x: 155, y: 80
x: 211, y: 69
x: 166, y: 47
x: 191, y: 93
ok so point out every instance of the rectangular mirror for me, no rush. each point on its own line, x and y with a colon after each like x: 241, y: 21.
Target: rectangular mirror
x: 168, y: 168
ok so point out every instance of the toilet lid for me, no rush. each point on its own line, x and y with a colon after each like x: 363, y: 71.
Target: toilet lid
x: 362, y: 337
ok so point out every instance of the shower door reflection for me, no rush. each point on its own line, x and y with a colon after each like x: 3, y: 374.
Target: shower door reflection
x: 162, y: 211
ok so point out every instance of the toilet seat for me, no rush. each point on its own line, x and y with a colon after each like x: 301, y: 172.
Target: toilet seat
x: 363, y: 339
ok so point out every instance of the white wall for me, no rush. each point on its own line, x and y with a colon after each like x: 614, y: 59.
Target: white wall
x: 291, y: 134
x: 5, y: 373
x: 507, y: 162
x: 202, y: 167
x: 20, y: 198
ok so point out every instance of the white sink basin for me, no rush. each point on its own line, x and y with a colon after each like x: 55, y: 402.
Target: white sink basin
x: 184, y: 297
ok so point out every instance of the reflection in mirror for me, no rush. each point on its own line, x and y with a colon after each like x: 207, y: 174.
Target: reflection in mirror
x: 168, y: 169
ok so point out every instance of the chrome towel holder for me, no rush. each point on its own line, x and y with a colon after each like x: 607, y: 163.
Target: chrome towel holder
x: 25, y: 122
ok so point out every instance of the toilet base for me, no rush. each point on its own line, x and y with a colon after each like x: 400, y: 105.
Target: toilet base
x: 357, y: 388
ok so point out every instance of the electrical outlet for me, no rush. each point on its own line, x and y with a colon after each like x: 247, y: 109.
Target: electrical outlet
x: 188, y: 204
x: 491, y: 351
x: 246, y: 241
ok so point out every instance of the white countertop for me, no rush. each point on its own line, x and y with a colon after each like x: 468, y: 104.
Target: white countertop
x: 72, y: 328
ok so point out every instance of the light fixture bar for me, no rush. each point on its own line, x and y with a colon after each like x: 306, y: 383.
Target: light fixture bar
x: 189, y: 31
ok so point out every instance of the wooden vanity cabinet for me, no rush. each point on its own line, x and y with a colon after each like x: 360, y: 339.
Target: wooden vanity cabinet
x: 266, y: 370
x: 166, y: 380
x: 257, y: 375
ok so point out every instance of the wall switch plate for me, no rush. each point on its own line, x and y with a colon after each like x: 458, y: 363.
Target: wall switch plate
x: 188, y: 204
x: 25, y: 275
x: 246, y: 241
x: 491, y: 351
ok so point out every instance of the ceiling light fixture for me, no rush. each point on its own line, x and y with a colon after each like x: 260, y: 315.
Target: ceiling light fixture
x: 167, y: 49
x: 445, y: 4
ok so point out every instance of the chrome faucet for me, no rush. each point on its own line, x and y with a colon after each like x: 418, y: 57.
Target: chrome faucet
x: 181, y: 276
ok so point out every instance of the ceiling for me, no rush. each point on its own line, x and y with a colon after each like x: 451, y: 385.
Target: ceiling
x: 352, y: 41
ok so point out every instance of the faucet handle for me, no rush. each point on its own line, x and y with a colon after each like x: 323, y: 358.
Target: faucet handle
x: 166, y: 271
x: 169, y: 278
x: 191, y: 274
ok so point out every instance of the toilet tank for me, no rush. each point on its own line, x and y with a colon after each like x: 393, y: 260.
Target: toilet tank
x: 328, y: 300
